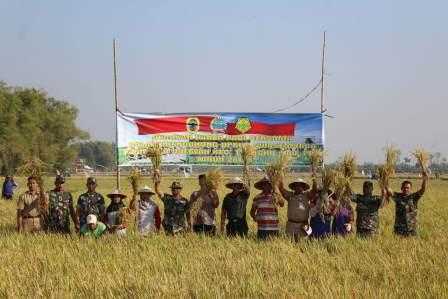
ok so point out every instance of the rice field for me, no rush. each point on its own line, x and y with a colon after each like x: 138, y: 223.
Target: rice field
x: 194, y: 266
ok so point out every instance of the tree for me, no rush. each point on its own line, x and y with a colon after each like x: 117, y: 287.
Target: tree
x: 97, y: 153
x: 35, y: 125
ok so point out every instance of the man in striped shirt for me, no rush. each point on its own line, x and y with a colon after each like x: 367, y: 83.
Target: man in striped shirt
x: 264, y: 210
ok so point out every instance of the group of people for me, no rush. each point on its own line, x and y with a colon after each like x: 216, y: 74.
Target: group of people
x: 307, y: 215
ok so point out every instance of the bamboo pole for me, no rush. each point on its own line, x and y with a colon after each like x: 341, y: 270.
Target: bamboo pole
x: 116, y: 117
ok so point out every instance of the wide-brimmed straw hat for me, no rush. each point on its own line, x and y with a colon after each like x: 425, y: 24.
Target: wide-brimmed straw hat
x: 260, y: 183
x: 235, y: 181
x: 116, y: 192
x: 146, y: 189
x: 299, y: 181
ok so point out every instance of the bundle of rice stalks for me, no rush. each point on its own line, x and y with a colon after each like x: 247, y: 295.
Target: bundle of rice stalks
x: 134, y: 179
x: 214, y: 178
x: 154, y: 153
x: 392, y: 156
x: 386, y: 171
x: 423, y: 160
x: 348, y: 166
x: 248, y: 153
x: 316, y: 157
x: 340, y: 186
x: 328, y: 176
x: 123, y: 216
x: 276, y: 173
x: 35, y: 167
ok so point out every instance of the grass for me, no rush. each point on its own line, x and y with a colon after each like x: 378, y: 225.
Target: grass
x: 201, y: 267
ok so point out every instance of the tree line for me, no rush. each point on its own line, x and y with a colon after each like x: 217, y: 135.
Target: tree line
x: 34, y: 125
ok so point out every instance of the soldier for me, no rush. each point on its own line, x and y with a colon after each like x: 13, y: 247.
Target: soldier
x: 234, y: 208
x: 298, y: 207
x: 406, y: 221
x: 90, y: 202
x: 148, y: 213
x: 205, y: 219
x: 60, y: 208
x: 175, y: 207
x: 367, y: 221
x: 28, y: 212
x: 264, y: 210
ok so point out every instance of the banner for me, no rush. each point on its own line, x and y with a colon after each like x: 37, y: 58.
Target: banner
x: 217, y: 138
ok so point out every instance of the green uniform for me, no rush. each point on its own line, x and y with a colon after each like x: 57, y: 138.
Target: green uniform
x: 98, y: 231
x: 406, y: 213
x: 174, y: 218
x: 60, y: 205
x: 90, y: 203
x: 367, y: 220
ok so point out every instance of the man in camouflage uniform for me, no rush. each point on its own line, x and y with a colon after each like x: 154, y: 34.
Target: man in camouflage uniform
x: 60, y: 209
x: 90, y: 202
x: 406, y: 221
x: 175, y: 208
x: 367, y: 220
x: 28, y: 209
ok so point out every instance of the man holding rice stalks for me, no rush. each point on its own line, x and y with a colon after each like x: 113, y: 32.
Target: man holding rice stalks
x: 148, y: 213
x: 29, y: 218
x: 90, y: 202
x: 60, y: 209
x: 175, y: 207
x: 367, y: 205
x: 406, y: 203
x: 234, y: 208
x: 299, y: 200
x: 207, y: 200
x: 264, y: 210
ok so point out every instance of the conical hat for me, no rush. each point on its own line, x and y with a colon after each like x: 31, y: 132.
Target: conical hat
x: 299, y: 181
x: 146, y: 189
x: 260, y: 183
x: 116, y: 192
x: 235, y: 181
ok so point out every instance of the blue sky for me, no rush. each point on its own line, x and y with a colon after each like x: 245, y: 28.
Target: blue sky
x: 386, y: 62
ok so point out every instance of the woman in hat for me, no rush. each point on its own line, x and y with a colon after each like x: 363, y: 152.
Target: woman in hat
x: 299, y: 200
x: 116, y: 213
x: 234, y: 208
x: 148, y: 213
x: 264, y: 210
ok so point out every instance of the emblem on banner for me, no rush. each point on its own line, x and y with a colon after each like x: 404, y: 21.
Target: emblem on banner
x: 218, y: 124
x: 193, y: 124
x: 243, y: 124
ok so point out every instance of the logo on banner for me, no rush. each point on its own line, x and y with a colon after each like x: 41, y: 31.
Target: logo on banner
x: 243, y: 125
x: 193, y: 124
x: 218, y: 124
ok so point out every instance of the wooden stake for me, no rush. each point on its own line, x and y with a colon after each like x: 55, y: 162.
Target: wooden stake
x: 116, y: 117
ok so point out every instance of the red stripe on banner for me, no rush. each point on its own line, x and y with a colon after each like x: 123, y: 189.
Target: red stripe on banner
x: 264, y: 129
x: 172, y: 124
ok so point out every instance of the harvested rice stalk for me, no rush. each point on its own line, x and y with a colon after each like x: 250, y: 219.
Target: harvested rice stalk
x: 123, y: 216
x: 154, y: 153
x: 316, y: 157
x: 248, y: 153
x: 340, y: 186
x: 134, y: 179
x: 387, y: 171
x: 423, y: 160
x: 348, y: 166
x: 327, y: 180
x: 276, y: 173
x: 35, y: 167
x: 214, y: 178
